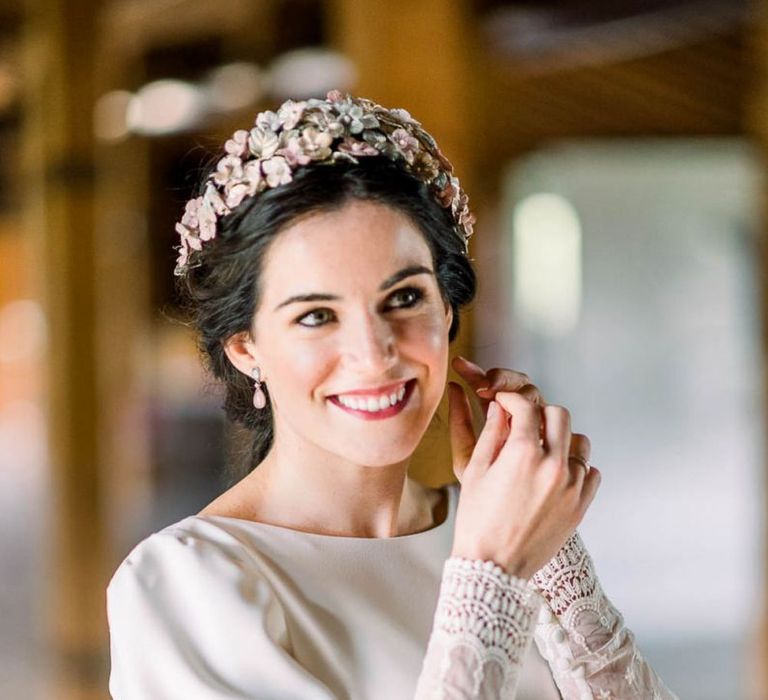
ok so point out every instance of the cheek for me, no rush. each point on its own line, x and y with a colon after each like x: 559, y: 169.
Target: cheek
x: 426, y: 336
x: 299, y: 366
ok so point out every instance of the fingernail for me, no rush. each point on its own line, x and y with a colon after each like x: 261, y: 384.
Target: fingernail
x: 482, y: 388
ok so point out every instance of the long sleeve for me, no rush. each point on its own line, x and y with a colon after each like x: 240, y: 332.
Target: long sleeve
x: 191, y: 619
x: 583, y: 637
x: 482, y: 630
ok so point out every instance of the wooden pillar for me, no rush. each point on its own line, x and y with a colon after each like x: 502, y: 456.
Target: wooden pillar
x: 419, y: 55
x: 58, y: 174
x: 756, y: 665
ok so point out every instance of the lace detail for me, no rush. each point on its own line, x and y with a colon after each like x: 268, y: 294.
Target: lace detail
x: 582, y: 635
x: 482, y: 631
x: 569, y: 584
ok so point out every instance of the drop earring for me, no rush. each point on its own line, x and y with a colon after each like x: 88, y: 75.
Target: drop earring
x: 259, y: 400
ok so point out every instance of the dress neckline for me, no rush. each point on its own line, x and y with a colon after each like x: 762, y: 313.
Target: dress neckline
x: 450, y: 491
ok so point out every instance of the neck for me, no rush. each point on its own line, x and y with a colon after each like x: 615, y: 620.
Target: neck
x: 314, y: 491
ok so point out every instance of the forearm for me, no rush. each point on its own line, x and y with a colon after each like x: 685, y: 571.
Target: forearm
x: 583, y: 637
x: 483, y: 628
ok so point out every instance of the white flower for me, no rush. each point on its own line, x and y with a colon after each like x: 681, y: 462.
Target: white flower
x: 269, y: 121
x: 228, y: 168
x: 212, y: 199
x: 290, y: 113
x: 235, y: 193
x: 253, y: 176
x: 404, y: 116
x: 316, y: 144
x: 237, y: 145
x: 263, y: 143
x: 277, y: 171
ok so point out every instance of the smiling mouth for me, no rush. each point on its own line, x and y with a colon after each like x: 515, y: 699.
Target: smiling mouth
x: 383, y: 406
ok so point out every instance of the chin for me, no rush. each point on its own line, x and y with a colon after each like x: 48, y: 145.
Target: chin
x: 384, y: 453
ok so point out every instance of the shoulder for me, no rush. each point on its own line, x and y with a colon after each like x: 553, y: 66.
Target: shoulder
x: 194, y: 554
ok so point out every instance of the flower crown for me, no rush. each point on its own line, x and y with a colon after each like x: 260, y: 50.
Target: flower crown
x: 340, y: 128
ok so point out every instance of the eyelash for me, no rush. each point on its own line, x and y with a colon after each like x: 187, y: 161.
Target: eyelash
x: 419, y: 295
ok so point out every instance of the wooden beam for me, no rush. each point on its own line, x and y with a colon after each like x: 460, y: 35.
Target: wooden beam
x: 58, y: 169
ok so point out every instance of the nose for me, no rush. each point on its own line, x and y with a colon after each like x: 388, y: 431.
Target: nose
x: 370, y: 344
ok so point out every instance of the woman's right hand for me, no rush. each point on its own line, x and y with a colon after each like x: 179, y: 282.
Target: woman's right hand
x: 521, y: 496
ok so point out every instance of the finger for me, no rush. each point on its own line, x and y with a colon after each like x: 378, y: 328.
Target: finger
x: 578, y: 468
x: 557, y: 431
x: 492, y: 437
x: 580, y: 446
x: 472, y: 374
x: 462, y: 432
x: 589, y: 488
x: 500, y: 379
x: 526, y: 416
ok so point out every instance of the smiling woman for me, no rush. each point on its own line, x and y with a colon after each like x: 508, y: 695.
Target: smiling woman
x: 326, y: 261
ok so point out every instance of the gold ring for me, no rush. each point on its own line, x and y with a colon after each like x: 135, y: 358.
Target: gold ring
x: 581, y: 460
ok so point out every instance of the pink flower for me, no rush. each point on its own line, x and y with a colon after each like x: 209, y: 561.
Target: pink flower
x: 207, y: 218
x: 191, y: 212
x: 334, y: 96
x: 236, y: 193
x: 405, y: 143
x: 237, y: 145
x: 276, y: 171
x: 357, y: 148
x: 293, y: 153
x: 253, y: 176
x: 446, y: 195
x: 228, y: 168
x: 212, y: 199
x: 181, y: 260
x: 189, y: 237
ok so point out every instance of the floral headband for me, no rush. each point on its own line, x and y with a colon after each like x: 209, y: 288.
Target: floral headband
x: 340, y: 128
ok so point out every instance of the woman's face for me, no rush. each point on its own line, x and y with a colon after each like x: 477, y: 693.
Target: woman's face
x: 350, y: 320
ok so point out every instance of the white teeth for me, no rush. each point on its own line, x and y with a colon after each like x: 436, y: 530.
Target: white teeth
x: 372, y: 403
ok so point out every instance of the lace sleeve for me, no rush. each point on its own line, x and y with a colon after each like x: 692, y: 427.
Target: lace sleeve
x: 582, y: 635
x: 482, y: 630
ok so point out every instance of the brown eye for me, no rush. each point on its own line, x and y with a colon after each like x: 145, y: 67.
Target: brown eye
x: 322, y: 313
x: 409, y: 296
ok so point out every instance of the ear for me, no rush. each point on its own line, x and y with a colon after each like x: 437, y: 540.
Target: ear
x: 241, y: 351
x: 448, y: 316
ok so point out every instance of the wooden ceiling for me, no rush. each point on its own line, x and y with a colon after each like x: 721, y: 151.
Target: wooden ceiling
x: 549, y: 69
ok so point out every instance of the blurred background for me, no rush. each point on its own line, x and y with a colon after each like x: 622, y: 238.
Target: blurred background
x: 614, y: 153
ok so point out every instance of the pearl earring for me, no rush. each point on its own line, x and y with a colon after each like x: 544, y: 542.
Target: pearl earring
x: 259, y: 400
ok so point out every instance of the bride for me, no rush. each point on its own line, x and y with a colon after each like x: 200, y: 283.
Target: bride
x: 325, y: 262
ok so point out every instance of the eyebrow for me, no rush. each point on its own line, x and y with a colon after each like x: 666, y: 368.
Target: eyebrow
x: 386, y: 284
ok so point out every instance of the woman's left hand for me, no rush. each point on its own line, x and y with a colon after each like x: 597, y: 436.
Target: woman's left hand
x: 486, y: 385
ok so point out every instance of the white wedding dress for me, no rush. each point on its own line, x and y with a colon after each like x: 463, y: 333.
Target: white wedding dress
x: 215, y: 608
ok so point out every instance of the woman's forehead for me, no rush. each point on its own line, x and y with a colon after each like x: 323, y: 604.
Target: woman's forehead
x: 360, y: 239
